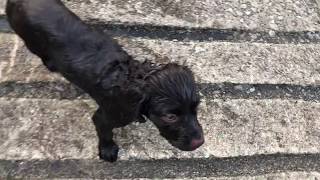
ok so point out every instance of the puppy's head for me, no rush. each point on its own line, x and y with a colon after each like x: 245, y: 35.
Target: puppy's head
x: 172, y: 106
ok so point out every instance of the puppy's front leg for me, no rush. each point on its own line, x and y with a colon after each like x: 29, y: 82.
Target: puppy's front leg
x: 108, y: 149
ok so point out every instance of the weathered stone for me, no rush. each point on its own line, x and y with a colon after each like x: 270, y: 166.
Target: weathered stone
x: 211, y: 62
x: 253, y: 15
x: 6, y: 45
x: 2, y: 6
x: 261, y: 166
x: 284, y: 175
x: 235, y: 62
x: 32, y: 129
x: 280, y: 15
x: 53, y: 129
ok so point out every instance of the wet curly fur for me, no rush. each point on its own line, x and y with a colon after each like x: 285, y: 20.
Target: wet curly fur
x: 125, y: 89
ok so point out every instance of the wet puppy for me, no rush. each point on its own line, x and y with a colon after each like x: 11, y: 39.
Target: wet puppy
x: 125, y: 89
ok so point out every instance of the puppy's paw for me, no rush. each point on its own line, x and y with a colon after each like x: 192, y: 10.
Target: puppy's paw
x: 109, y: 152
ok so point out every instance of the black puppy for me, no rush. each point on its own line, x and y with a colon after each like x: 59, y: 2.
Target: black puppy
x: 124, y: 89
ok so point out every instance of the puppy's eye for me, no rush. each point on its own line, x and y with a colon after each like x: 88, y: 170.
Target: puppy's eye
x: 170, y: 118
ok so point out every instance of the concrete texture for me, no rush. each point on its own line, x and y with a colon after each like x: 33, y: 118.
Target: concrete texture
x: 66, y: 91
x: 237, y: 62
x: 257, y: 64
x: 6, y: 45
x: 211, y: 61
x: 55, y: 129
x: 240, y: 167
x: 263, y: 15
x: 266, y: 15
x: 176, y: 33
x: 275, y: 176
x: 2, y: 5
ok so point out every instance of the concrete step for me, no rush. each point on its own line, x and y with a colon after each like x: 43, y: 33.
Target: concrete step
x: 257, y: 64
x: 212, y: 62
x: 55, y: 138
x: 256, y: 21
x: 2, y: 5
x: 62, y: 129
x: 249, y: 14
x: 259, y: 167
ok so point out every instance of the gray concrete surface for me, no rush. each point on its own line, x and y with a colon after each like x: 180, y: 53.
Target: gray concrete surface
x: 239, y: 62
x: 249, y: 166
x: 264, y: 15
x: 65, y: 91
x: 274, y: 176
x: 257, y: 64
x: 2, y: 5
x: 55, y: 129
x: 212, y: 62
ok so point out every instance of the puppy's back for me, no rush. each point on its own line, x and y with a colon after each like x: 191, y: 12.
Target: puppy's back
x: 40, y: 15
x: 83, y: 55
x: 43, y: 23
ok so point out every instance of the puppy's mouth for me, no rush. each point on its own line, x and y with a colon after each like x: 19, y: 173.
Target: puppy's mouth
x: 190, y: 146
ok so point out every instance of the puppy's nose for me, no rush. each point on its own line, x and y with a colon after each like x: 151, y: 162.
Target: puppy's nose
x: 195, y: 143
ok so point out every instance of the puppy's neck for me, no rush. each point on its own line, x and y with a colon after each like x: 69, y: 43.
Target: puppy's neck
x: 142, y: 70
x: 139, y: 72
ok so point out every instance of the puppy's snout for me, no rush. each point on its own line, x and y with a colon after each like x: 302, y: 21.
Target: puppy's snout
x: 195, y: 143
x: 197, y: 137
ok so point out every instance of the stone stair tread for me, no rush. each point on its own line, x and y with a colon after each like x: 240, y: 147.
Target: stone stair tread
x: 60, y: 129
x: 211, y: 62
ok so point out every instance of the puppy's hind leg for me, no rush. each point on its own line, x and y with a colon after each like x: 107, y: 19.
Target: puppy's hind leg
x: 108, y: 149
